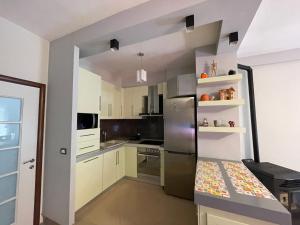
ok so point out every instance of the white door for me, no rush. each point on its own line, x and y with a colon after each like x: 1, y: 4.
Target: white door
x: 18, y: 143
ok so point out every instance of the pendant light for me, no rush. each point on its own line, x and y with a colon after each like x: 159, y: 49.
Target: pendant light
x: 141, y: 74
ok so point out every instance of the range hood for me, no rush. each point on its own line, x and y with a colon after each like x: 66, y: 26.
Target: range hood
x: 153, y: 103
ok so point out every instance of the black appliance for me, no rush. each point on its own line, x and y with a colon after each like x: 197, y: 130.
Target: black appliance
x: 284, y: 184
x: 87, y: 121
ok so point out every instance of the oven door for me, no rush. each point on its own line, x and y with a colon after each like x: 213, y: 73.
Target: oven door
x: 148, y: 162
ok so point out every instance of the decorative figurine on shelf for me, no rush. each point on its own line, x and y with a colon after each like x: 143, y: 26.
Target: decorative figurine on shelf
x: 203, y: 75
x: 231, y: 123
x: 231, y: 72
x: 222, y: 94
x: 230, y: 93
x: 205, y: 97
x: 227, y: 94
x: 213, y: 69
x: 205, y: 122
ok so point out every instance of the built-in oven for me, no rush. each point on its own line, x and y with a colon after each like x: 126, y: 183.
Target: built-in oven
x: 87, y: 121
x: 148, y: 164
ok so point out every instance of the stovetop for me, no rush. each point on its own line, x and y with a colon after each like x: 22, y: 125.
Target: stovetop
x: 151, y: 142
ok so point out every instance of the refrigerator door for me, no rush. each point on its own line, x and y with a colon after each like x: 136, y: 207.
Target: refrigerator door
x: 179, y: 132
x: 180, y: 174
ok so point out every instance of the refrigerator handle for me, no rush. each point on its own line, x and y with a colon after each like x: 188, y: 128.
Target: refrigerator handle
x: 180, y: 153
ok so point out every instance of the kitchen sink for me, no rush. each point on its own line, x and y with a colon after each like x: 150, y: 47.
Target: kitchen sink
x: 109, y: 144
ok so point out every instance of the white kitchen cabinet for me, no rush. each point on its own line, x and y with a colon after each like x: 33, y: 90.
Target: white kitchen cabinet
x: 88, y: 135
x: 109, y: 168
x: 113, y: 166
x: 89, y: 92
x: 87, y: 146
x: 133, y: 101
x: 162, y: 89
x: 131, y: 161
x: 107, y: 98
x: 88, y: 180
x: 211, y: 216
x: 111, y: 101
x: 120, y: 163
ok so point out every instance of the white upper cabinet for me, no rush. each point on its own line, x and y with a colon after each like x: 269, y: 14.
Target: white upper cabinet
x: 133, y: 101
x: 89, y: 92
x: 111, y: 104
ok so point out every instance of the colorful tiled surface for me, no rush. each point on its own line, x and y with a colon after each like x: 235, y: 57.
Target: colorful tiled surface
x: 209, y: 179
x: 244, y: 181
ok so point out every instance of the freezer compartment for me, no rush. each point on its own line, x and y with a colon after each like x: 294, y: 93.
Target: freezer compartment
x: 180, y: 172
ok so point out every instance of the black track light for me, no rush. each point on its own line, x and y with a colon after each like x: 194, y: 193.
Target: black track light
x: 189, y: 23
x: 233, y: 38
x: 114, y: 45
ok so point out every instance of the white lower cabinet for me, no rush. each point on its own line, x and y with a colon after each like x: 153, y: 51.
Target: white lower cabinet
x: 88, y: 180
x: 113, y: 166
x: 211, y: 216
x: 131, y: 161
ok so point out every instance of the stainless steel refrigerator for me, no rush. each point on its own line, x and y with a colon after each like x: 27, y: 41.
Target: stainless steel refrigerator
x: 180, y: 146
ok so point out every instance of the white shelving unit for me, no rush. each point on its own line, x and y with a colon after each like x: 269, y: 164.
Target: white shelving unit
x: 234, y: 102
x: 226, y: 79
x: 222, y: 129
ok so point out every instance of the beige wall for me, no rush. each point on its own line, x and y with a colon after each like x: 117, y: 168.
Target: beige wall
x: 277, y: 93
x: 22, y: 53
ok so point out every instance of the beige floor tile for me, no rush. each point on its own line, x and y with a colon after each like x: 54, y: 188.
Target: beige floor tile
x: 135, y: 203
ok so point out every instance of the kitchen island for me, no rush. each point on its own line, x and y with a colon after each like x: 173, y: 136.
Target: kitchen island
x: 227, y: 193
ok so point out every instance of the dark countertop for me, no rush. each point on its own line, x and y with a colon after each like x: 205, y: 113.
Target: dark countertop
x: 217, y: 187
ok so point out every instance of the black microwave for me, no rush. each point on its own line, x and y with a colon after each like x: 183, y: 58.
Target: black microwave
x: 87, y: 121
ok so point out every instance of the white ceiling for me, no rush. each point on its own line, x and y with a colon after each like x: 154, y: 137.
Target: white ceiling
x: 170, y: 52
x: 275, y: 27
x: 52, y: 19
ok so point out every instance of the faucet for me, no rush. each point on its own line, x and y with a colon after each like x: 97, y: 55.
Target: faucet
x: 104, y: 133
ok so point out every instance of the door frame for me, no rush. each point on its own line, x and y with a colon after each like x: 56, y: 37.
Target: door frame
x: 40, y: 139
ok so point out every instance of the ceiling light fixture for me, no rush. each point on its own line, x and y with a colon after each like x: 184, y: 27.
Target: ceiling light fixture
x: 233, y: 38
x: 114, y: 45
x: 189, y: 23
x: 141, y: 74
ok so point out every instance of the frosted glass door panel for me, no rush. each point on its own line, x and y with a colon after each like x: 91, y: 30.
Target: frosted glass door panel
x: 8, y: 161
x: 8, y: 188
x: 7, y: 213
x: 9, y: 135
x: 10, y: 109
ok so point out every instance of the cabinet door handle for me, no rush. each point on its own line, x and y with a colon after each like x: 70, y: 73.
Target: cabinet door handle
x: 87, y: 135
x: 116, y: 158
x: 131, y: 110
x: 90, y: 146
x: 89, y: 160
x: 99, y: 103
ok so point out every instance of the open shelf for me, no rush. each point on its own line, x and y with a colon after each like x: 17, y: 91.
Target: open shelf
x: 226, y: 79
x: 222, y: 129
x: 234, y: 102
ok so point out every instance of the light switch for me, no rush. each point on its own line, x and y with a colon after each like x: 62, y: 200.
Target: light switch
x: 63, y: 151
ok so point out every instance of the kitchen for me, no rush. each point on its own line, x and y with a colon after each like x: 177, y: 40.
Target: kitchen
x: 142, y: 125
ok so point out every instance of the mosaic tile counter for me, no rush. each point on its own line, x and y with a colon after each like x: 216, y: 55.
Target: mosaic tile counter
x: 230, y: 186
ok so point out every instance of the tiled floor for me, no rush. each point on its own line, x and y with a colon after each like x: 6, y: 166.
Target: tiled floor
x: 135, y: 203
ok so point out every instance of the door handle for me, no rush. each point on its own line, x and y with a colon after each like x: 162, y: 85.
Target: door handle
x: 29, y: 161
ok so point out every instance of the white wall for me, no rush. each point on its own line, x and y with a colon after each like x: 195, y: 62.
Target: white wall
x: 277, y: 95
x: 22, y: 53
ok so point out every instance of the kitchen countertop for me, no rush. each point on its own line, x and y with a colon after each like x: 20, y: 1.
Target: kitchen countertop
x: 130, y: 143
x: 230, y: 186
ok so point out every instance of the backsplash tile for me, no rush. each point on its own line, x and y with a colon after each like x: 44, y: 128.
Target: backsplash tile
x: 149, y: 128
